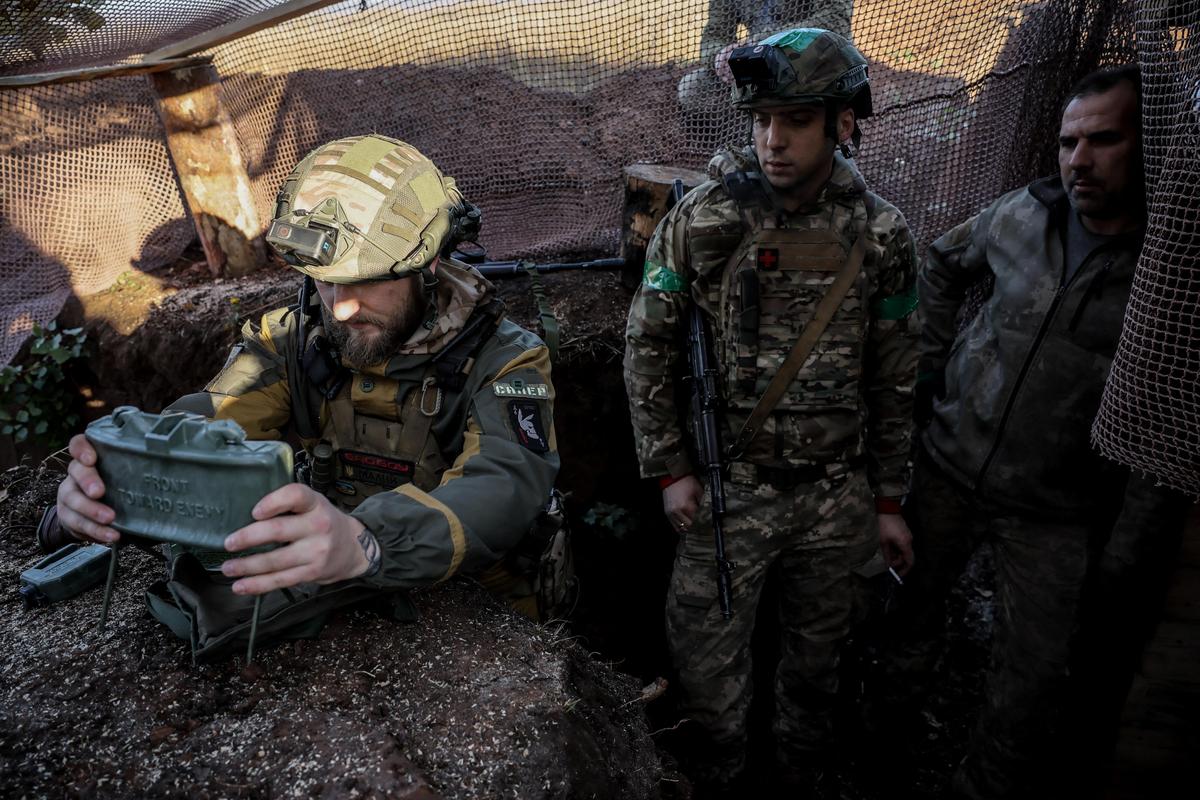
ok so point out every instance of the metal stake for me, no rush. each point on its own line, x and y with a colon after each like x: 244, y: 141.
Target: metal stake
x: 114, y: 549
x: 253, y: 630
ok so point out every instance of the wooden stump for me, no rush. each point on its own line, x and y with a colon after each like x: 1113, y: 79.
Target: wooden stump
x: 212, y: 174
x: 647, y: 198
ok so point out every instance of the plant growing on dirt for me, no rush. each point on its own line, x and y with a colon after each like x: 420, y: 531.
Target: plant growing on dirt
x: 612, y: 519
x: 36, y: 401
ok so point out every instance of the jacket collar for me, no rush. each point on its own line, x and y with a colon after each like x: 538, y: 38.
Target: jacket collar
x: 1050, y: 193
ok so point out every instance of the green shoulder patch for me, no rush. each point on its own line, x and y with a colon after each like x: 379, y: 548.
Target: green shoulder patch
x: 897, y: 306
x: 656, y: 276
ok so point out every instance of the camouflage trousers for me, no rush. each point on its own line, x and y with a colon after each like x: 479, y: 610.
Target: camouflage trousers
x: 817, y: 534
x: 1040, y: 571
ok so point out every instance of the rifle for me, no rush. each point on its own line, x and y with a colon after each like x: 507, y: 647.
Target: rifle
x: 706, y: 403
x: 501, y: 269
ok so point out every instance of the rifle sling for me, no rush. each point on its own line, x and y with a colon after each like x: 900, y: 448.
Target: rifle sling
x: 549, y: 323
x: 800, y: 351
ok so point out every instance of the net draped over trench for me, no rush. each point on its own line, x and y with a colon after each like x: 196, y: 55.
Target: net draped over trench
x: 535, y: 106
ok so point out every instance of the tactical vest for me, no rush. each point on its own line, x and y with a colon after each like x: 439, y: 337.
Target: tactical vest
x: 768, y: 291
x: 352, y: 454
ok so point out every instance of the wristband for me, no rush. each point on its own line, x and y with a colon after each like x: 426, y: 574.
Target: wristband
x: 667, y: 480
x: 888, y: 505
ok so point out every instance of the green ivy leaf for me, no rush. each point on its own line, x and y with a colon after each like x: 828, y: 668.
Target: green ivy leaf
x: 22, y: 416
x: 41, y: 428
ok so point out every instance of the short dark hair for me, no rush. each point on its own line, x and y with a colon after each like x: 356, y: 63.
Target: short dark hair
x: 1102, y: 80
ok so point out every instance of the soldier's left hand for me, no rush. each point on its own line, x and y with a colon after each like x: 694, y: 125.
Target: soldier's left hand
x: 895, y: 542
x: 318, y: 543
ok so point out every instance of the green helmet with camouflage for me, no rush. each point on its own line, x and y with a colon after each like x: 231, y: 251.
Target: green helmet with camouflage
x: 368, y: 208
x: 801, y: 66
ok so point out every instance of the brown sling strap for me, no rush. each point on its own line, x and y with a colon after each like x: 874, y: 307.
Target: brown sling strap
x: 800, y: 351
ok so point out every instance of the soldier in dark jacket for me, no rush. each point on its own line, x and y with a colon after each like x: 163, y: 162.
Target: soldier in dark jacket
x: 1007, y: 403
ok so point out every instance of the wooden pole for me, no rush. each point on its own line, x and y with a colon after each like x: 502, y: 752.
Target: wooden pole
x: 647, y: 198
x: 208, y: 162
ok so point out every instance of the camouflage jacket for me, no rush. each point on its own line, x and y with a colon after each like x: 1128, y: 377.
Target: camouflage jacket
x: 493, y: 433
x: 765, y: 17
x: 853, y: 397
x: 1023, y: 379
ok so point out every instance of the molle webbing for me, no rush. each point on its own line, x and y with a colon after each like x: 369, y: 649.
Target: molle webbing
x: 748, y: 323
x: 823, y: 315
x: 454, y: 361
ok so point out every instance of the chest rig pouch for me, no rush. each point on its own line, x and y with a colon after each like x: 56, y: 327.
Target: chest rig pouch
x: 376, y: 452
x: 770, y: 291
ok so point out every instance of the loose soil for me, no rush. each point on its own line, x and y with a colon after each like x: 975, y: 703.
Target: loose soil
x: 469, y: 701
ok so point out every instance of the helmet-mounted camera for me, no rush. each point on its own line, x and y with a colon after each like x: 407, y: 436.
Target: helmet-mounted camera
x: 762, y: 68
x: 309, y: 244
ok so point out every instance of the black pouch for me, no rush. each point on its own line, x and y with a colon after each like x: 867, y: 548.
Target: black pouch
x: 199, y: 606
x: 537, y: 577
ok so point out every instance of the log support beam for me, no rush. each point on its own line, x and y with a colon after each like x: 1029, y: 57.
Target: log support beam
x: 210, y: 168
x: 647, y: 198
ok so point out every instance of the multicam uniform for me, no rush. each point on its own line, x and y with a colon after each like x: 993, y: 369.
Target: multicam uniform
x: 425, y: 445
x: 801, y: 495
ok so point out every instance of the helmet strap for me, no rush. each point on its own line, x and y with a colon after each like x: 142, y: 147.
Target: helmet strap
x: 429, y: 284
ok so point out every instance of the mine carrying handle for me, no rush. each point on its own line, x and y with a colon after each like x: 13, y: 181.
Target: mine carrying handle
x: 706, y: 405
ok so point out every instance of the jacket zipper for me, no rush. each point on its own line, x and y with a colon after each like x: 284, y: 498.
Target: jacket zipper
x: 1037, y: 343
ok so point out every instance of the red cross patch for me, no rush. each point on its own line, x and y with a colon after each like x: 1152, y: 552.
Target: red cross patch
x: 767, y: 258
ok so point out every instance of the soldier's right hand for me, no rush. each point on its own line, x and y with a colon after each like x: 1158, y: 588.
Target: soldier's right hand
x: 78, y: 509
x: 681, y: 500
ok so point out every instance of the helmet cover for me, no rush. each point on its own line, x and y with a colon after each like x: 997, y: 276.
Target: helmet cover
x: 366, y: 208
x: 800, y: 66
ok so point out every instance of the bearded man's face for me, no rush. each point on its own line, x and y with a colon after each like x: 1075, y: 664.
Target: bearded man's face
x: 368, y: 322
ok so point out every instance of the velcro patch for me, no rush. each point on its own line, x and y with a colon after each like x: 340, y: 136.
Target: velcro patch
x: 379, y: 470
x: 767, y: 258
x: 518, y: 388
x: 526, y: 419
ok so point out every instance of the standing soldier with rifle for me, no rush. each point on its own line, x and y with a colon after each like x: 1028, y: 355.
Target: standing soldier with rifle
x: 806, y: 280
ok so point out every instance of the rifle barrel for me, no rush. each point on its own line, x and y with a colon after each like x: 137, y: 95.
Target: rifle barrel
x: 500, y: 269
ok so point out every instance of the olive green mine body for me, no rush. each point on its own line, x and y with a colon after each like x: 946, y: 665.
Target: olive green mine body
x: 64, y: 573
x: 182, y: 479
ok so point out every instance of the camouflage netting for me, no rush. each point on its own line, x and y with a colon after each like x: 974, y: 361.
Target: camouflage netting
x: 536, y: 106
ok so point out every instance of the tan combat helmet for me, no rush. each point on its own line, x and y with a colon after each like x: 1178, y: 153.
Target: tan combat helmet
x: 799, y: 66
x: 368, y: 208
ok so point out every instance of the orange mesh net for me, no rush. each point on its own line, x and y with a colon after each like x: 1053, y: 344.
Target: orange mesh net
x: 536, y: 106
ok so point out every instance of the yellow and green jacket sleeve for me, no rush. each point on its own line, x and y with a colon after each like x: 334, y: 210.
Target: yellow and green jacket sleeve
x: 252, y: 387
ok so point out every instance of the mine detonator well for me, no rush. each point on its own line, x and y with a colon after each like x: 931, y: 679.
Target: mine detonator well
x: 183, y: 480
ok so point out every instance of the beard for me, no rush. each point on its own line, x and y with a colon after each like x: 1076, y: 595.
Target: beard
x: 367, y: 348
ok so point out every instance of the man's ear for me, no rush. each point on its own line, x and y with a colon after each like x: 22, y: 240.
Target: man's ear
x: 845, y: 125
